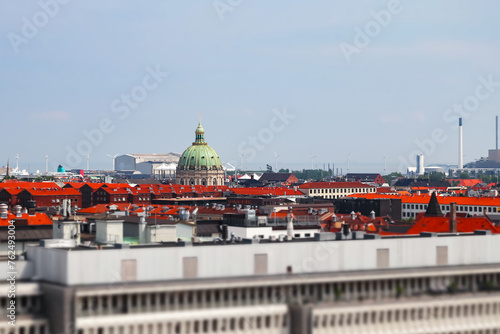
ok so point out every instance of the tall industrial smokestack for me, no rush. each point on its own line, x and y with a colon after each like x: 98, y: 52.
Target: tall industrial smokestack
x: 460, y: 145
x: 497, y: 131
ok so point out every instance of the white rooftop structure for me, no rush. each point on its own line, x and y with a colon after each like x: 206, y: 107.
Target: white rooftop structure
x: 129, y: 162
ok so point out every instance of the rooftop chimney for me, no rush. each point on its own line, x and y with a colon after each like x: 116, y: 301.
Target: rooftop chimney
x: 18, y: 209
x: 453, y: 217
x: 3, y: 211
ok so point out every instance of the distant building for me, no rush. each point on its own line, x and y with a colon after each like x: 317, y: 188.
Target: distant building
x: 408, y: 184
x: 333, y: 190
x: 278, y: 178
x: 200, y: 164
x: 144, y: 163
x: 420, y: 164
x: 412, y: 205
x: 365, y: 178
x: 380, y: 206
x: 165, y: 171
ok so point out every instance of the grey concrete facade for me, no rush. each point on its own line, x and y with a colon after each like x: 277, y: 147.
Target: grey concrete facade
x: 387, y: 285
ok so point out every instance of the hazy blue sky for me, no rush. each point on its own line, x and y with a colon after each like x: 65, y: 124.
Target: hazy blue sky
x: 65, y: 72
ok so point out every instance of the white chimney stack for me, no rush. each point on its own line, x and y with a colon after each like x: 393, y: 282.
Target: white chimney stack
x: 289, y: 227
x: 460, y: 145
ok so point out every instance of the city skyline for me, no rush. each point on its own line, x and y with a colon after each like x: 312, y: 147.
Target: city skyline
x: 368, y: 81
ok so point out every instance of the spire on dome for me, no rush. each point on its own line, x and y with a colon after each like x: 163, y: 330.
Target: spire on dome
x: 199, y: 134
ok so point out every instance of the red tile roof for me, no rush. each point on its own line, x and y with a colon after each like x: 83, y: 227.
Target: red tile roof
x: 37, y: 219
x: 442, y: 225
x: 465, y: 182
x: 53, y: 192
x: 273, y: 191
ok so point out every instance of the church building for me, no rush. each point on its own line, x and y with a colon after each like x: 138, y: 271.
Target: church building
x: 200, y: 164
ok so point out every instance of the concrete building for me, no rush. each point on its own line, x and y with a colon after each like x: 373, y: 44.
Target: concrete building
x: 144, y: 163
x: 165, y: 171
x: 420, y: 165
x: 363, y: 284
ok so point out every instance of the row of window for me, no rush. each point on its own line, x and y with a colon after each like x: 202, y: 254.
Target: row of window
x: 348, y: 291
x: 24, y: 304
x: 403, y: 315
x: 342, y: 190
x: 460, y: 208
x: 59, y: 200
x: 201, y: 326
x: 41, y: 329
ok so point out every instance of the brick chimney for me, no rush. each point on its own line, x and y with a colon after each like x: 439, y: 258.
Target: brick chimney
x: 453, y: 217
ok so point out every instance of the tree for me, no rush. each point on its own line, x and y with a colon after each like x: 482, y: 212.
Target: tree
x: 392, y: 177
x: 436, y: 176
x: 464, y: 175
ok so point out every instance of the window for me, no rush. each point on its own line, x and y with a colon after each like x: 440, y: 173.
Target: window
x: 205, y: 326
x: 214, y: 325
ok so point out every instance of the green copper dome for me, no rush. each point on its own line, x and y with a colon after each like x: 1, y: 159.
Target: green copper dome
x: 199, y: 156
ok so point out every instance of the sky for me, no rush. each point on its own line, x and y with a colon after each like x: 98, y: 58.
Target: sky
x: 310, y: 82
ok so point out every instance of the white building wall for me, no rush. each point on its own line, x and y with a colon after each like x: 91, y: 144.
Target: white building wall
x: 333, y: 193
x: 161, y: 233
x: 267, y: 231
x: 124, y: 163
x: 166, y: 263
x: 109, y: 231
x: 184, y: 231
x: 65, y: 230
